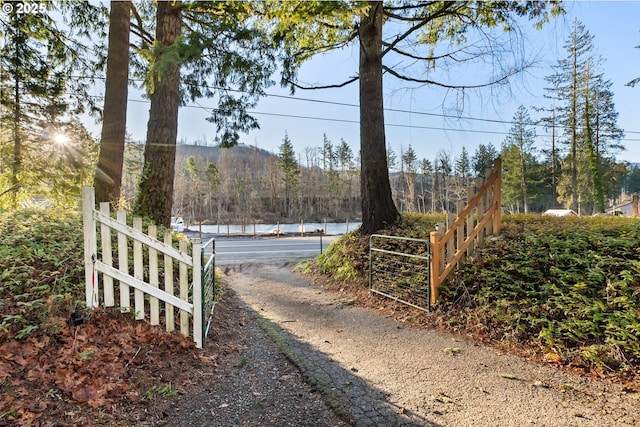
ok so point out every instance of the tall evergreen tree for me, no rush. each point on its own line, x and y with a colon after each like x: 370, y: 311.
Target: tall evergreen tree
x: 633, y: 181
x: 410, y: 171
x: 463, y: 165
x: 594, y: 164
x: 328, y: 156
x: 426, y: 182
x: 155, y: 195
x: 566, y: 86
x: 108, y: 176
x: 217, y: 53
x: 290, y: 172
x: 40, y: 96
x: 520, y: 141
x: 422, y: 30
x: 576, y: 83
x: 483, y: 158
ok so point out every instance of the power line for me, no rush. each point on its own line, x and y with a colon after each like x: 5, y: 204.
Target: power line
x: 394, y: 110
x: 397, y: 125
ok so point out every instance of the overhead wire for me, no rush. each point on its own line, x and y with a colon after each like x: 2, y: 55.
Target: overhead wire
x: 397, y: 125
x: 395, y: 110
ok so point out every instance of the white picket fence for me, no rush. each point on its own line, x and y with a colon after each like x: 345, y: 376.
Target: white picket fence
x: 152, y: 260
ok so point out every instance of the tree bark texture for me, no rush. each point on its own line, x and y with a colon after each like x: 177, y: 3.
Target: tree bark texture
x: 378, y: 209
x: 155, y: 195
x: 108, y: 175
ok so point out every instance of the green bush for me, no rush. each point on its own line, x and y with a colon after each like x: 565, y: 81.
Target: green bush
x: 41, y: 265
x: 564, y: 285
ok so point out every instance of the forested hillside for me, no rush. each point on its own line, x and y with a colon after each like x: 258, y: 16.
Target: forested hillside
x: 246, y: 183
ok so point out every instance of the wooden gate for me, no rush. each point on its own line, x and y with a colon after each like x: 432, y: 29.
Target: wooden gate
x: 155, y: 264
x: 479, y: 218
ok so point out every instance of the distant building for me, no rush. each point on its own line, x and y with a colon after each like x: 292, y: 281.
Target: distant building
x: 561, y: 212
x: 627, y: 209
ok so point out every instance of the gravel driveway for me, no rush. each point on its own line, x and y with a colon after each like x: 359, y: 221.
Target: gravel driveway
x: 374, y: 372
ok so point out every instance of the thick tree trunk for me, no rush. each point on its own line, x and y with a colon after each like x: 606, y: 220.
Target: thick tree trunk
x: 108, y: 176
x: 155, y: 195
x: 378, y: 210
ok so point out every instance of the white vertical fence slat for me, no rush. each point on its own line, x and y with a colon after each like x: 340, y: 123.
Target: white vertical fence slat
x: 138, y: 272
x: 123, y: 263
x: 161, y: 258
x: 184, y: 291
x: 90, y: 248
x: 154, y: 306
x: 105, y: 236
x: 168, y: 286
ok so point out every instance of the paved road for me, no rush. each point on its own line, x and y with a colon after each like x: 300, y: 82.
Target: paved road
x: 239, y: 250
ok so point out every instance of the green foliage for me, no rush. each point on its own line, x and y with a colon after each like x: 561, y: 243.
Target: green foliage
x: 42, y: 268
x: 562, y: 285
x: 242, y: 362
x: 483, y: 158
x: 584, y: 109
x: 348, y: 257
x: 518, y: 160
x: 160, y: 390
x: 225, y: 55
x: 290, y: 171
x: 345, y: 258
x: 40, y: 98
x: 633, y: 180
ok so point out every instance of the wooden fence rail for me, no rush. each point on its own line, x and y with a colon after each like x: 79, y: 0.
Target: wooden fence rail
x: 150, y: 296
x: 480, y: 218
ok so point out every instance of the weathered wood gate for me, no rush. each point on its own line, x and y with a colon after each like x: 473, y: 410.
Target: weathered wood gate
x: 153, y: 260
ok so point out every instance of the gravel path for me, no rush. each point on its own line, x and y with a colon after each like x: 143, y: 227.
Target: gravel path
x: 374, y: 372
x: 248, y: 382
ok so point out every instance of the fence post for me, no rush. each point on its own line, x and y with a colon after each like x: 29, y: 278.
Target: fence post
x: 497, y: 216
x: 197, y: 292
x: 90, y: 246
x: 436, y: 253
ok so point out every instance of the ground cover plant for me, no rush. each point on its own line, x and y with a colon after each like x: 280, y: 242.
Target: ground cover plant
x: 566, y: 290
x: 566, y: 287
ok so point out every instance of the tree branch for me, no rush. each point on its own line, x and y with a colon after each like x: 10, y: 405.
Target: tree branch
x: 450, y: 55
x: 435, y: 83
x: 405, y: 7
x: 145, y: 36
x: 335, y: 86
x: 442, y: 12
x: 8, y: 190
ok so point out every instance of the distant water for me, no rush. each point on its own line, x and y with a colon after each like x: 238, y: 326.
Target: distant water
x: 333, y: 228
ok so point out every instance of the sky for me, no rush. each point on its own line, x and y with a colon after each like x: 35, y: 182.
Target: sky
x: 427, y: 118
